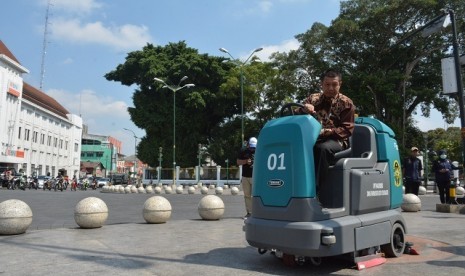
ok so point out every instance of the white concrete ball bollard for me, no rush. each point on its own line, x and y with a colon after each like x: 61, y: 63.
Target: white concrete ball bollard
x: 179, y: 190
x: 141, y: 190
x: 191, y: 190
x: 411, y: 203
x: 219, y: 190
x: 460, y: 192
x: 15, y: 217
x: 234, y: 190
x: 149, y: 189
x: 121, y: 190
x: 211, y: 207
x: 127, y: 190
x: 105, y: 189
x: 168, y: 190
x: 91, y: 212
x: 157, y: 190
x: 225, y: 186
x: 157, y: 209
x: 421, y: 190
x: 134, y: 190
x: 195, y: 186
x: 204, y: 190
x: 403, y: 189
x: 200, y: 184
x: 212, y: 186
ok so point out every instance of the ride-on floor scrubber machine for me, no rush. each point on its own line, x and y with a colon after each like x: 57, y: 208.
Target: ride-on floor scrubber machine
x: 356, y: 213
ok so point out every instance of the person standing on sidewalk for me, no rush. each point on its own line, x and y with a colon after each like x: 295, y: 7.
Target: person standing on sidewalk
x: 442, y: 169
x: 246, y: 160
x: 412, y: 172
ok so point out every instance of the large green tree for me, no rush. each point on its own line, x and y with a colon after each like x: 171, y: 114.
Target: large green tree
x: 199, y: 110
x: 384, y: 78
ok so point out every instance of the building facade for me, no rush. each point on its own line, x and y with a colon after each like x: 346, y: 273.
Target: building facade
x: 37, y: 134
x: 102, y: 149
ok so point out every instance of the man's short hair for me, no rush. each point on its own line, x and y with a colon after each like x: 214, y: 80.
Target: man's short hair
x: 331, y: 73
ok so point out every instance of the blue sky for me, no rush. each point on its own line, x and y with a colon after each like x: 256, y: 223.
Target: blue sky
x: 88, y: 38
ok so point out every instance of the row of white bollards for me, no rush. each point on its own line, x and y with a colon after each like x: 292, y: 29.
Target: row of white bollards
x: 92, y: 212
x: 167, y: 189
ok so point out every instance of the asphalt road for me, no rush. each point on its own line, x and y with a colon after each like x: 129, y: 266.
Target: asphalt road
x: 53, y: 210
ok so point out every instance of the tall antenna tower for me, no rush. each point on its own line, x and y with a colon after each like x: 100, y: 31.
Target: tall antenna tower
x: 44, y: 46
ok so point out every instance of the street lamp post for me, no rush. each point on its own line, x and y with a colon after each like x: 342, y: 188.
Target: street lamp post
x: 199, y: 156
x: 201, y: 150
x: 426, y: 160
x: 458, y: 77
x: 432, y: 27
x: 227, y: 171
x: 241, y: 66
x: 135, y: 152
x: 174, y: 88
x: 160, y: 156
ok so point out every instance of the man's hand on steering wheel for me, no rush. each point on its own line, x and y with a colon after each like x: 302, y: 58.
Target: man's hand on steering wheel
x: 308, y: 108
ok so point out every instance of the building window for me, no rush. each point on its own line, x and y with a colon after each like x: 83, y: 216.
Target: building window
x: 90, y: 154
x: 19, y: 133
x: 66, y: 145
x: 42, y: 138
x: 76, y: 147
x: 26, y: 134
x: 34, y: 136
x: 99, y: 154
x: 55, y: 142
x: 61, y: 143
x: 49, y: 140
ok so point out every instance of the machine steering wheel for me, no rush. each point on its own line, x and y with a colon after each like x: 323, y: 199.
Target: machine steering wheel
x: 288, y: 106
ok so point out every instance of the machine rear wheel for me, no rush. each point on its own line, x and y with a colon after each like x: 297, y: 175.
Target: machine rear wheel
x: 397, y: 245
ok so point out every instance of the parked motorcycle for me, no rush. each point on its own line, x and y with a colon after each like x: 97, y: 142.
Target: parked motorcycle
x: 33, y: 183
x: 58, y: 184
x: 85, y: 185
x: 94, y: 184
x: 74, y: 185
x: 13, y: 183
x: 48, y: 184
x: 23, y: 182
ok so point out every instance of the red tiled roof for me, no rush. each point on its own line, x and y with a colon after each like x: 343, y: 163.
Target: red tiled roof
x: 34, y: 95
x: 41, y: 99
x: 4, y: 50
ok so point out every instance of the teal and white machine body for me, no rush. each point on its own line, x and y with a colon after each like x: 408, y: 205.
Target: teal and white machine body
x: 356, y: 210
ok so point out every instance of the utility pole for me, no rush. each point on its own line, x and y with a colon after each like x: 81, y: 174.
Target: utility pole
x: 44, y: 46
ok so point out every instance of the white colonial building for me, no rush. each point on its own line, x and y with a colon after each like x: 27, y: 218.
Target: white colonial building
x: 37, y: 134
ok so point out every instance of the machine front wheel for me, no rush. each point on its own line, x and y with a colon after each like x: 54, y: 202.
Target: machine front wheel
x: 397, y: 245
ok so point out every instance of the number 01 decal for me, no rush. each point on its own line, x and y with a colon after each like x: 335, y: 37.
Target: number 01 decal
x: 273, y: 161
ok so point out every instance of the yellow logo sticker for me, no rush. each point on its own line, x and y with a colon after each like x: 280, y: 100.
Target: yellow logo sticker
x: 397, y: 173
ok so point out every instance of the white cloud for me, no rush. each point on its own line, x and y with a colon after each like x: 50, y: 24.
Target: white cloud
x: 74, y: 6
x: 125, y: 37
x: 265, y: 6
x: 90, y: 105
x: 283, y: 47
x: 254, y: 8
x: 103, y: 115
x: 68, y: 61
